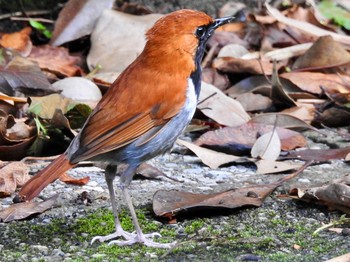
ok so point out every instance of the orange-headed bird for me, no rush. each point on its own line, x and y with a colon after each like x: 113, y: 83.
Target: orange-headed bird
x: 142, y: 114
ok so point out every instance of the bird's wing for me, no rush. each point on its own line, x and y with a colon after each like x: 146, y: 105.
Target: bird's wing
x: 140, y: 100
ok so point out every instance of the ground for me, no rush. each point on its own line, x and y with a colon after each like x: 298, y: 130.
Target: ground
x: 280, y: 230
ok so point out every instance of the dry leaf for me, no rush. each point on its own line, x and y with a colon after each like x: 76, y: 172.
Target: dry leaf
x: 221, y: 108
x: 306, y: 27
x: 320, y: 155
x: 74, y: 181
x: 23, y: 75
x: 117, y: 39
x: 334, y: 194
x: 19, y: 41
x: 46, y: 106
x: 168, y: 203
x: 324, y: 53
x: 56, y: 60
x: 239, y: 65
x: 239, y: 140
x: 77, y: 19
x: 267, y: 146
x: 26, y: 209
x: 342, y: 258
x: 209, y: 157
x: 12, y: 175
x: 282, y: 120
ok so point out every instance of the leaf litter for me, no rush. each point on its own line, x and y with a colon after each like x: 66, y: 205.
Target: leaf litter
x: 261, y: 84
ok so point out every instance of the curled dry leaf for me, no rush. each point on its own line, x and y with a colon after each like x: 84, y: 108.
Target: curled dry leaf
x: 278, y: 93
x: 12, y: 175
x: 16, y: 136
x: 26, y: 209
x: 221, y: 108
x: 335, y: 194
x: 324, y: 53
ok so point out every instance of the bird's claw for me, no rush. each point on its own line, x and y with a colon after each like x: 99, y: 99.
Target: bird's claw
x: 131, y: 239
x: 118, y: 233
x: 143, y: 239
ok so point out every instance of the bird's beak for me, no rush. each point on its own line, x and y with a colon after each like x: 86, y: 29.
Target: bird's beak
x: 221, y: 21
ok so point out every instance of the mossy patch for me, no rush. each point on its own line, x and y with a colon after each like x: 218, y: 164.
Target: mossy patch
x: 270, y: 234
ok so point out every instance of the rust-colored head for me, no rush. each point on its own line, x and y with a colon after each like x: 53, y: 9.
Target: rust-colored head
x: 178, y: 31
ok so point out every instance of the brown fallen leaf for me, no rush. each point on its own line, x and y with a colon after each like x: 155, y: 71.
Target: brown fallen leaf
x: 239, y: 140
x: 74, y: 181
x: 334, y: 116
x: 334, y: 194
x: 278, y: 93
x: 315, y: 82
x: 306, y: 27
x: 19, y: 41
x: 282, y: 120
x: 239, y: 65
x: 26, y: 209
x: 169, y: 203
x: 214, y: 159
x: 318, y: 155
x: 15, y: 137
x: 56, y: 60
x: 342, y: 258
x: 324, y: 53
x: 12, y: 175
x: 148, y: 171
x: 23, y: 75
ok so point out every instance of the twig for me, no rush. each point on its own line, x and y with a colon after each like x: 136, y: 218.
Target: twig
x: 43, y: 20
x: 29, y: 13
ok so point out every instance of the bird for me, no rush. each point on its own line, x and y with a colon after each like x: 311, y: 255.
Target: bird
x: 141, y: 115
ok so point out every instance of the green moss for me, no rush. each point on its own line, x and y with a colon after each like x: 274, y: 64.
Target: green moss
x: 228, y: 237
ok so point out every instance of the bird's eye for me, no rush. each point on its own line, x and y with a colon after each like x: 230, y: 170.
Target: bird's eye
x: 200, y: 32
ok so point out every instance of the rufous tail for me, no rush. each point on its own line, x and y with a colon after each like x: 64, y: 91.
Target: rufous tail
x: 46, y: 176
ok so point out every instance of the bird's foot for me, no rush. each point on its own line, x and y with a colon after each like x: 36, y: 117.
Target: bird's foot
x: 118, y: 233
x: 145, y: 239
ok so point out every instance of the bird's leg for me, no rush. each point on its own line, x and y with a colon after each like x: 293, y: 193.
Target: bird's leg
x: 145, y: 239
x: 110, y: 174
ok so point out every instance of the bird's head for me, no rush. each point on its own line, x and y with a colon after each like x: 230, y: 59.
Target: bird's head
x: 184, y: 32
